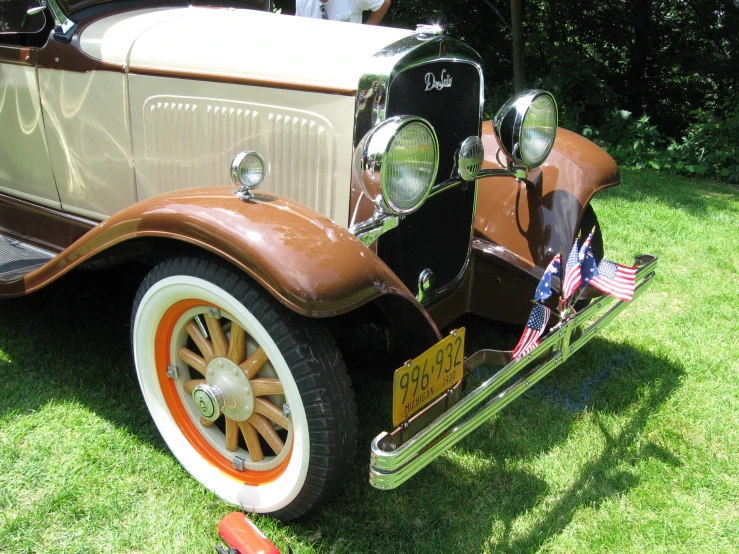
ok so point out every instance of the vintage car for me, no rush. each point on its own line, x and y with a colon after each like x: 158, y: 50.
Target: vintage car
x: 306, y: 192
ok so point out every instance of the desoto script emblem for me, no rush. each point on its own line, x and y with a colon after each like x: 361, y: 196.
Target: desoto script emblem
x: 443, y: 82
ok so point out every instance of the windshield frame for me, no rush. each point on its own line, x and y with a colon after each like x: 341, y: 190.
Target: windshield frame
x: 20, y: 30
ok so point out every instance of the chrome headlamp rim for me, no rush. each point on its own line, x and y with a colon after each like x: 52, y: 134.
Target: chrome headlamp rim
x: 371, y: 169
x: 509, y: 126
x: 244, y: 190
x: 435, y: 145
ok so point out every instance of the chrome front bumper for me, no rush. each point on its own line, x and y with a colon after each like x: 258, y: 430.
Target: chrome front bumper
x: 395, y: 460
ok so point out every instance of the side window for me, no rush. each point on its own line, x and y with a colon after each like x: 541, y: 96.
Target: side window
x: 14, y: 17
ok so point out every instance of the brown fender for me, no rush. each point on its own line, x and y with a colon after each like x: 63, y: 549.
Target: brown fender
x: 535, y: 223
x: 312, y: 265
x: 519, y: 228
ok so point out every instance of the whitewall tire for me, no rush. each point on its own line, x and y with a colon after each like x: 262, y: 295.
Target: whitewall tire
x: 285, y: 433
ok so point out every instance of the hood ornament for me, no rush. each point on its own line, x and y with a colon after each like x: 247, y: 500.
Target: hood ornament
x: 429, y: 29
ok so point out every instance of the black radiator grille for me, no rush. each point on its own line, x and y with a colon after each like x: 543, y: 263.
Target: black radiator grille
x: 437, y: 236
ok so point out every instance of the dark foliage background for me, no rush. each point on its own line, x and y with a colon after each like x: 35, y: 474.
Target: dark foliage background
x: 656, y: 82
x: 13, y: 17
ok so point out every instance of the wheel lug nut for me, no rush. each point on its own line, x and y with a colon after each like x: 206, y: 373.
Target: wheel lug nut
x: 220, y: 363
x: 210, y: 371
x: 236, y: 371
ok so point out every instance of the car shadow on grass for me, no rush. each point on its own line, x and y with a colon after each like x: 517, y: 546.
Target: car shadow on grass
x: 488, y: 494
x: 70, y: 342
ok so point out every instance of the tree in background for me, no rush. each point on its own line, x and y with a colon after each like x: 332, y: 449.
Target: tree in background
x: 663, y: 57
x: 518, y: 41
x: 610, y: 62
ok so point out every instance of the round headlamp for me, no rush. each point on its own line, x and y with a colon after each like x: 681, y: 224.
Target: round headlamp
x: 526, y: 127
x: 248, y: 170
x: 396, y: 163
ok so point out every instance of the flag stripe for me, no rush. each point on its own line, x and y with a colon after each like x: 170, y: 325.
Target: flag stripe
x: 615, y: 279
x: 527, y: 338
x: 534, y: 328
x: 573, y: 276
x: 572, y: 281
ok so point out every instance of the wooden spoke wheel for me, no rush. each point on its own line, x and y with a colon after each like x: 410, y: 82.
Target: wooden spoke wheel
x: 219, y: 360
x: 224, y: 370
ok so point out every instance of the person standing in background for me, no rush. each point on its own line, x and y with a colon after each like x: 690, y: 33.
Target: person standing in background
x: 343, y: 10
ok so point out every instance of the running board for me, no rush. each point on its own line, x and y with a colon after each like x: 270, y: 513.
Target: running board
x: 18, y: 259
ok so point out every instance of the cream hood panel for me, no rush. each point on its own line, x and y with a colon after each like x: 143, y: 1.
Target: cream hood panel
x: 262, y: 46
x: 110, y: 39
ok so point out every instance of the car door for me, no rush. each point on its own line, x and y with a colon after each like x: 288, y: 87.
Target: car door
x: 25, y: 168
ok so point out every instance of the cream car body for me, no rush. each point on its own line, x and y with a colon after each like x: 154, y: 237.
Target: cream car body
x: 235, y: 88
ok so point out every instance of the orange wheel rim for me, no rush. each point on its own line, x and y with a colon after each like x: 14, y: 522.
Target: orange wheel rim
x: 163, y: 344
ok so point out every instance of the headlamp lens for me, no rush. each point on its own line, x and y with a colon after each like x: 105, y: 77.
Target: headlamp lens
x: 539, y: 130
x: 410, y: 167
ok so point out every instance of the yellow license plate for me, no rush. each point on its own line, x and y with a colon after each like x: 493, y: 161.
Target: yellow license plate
x: 425, y: 378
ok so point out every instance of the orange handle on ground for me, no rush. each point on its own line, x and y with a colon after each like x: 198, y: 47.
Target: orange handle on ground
x: 244, y: 536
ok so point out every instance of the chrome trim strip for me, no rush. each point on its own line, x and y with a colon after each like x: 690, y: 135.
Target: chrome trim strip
x: 302, y: 86
x: 46, y: 210
x: 438, y: 188
x: 454, y: 283
x: 390, y: 467
x: 372, y: 229
x: 63, y: 24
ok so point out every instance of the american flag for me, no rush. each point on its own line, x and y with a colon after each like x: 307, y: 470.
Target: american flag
x: 589, y: 267
x: 615, y: 279
x: 572, y: 273
x: 533, y: 330
x: 585, y: 247
x: 544, y: 290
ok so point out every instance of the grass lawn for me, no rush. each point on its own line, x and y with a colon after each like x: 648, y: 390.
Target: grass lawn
x: 631, y: 446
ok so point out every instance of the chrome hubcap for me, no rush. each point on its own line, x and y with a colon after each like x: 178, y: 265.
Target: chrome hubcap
x: 226, y: 391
